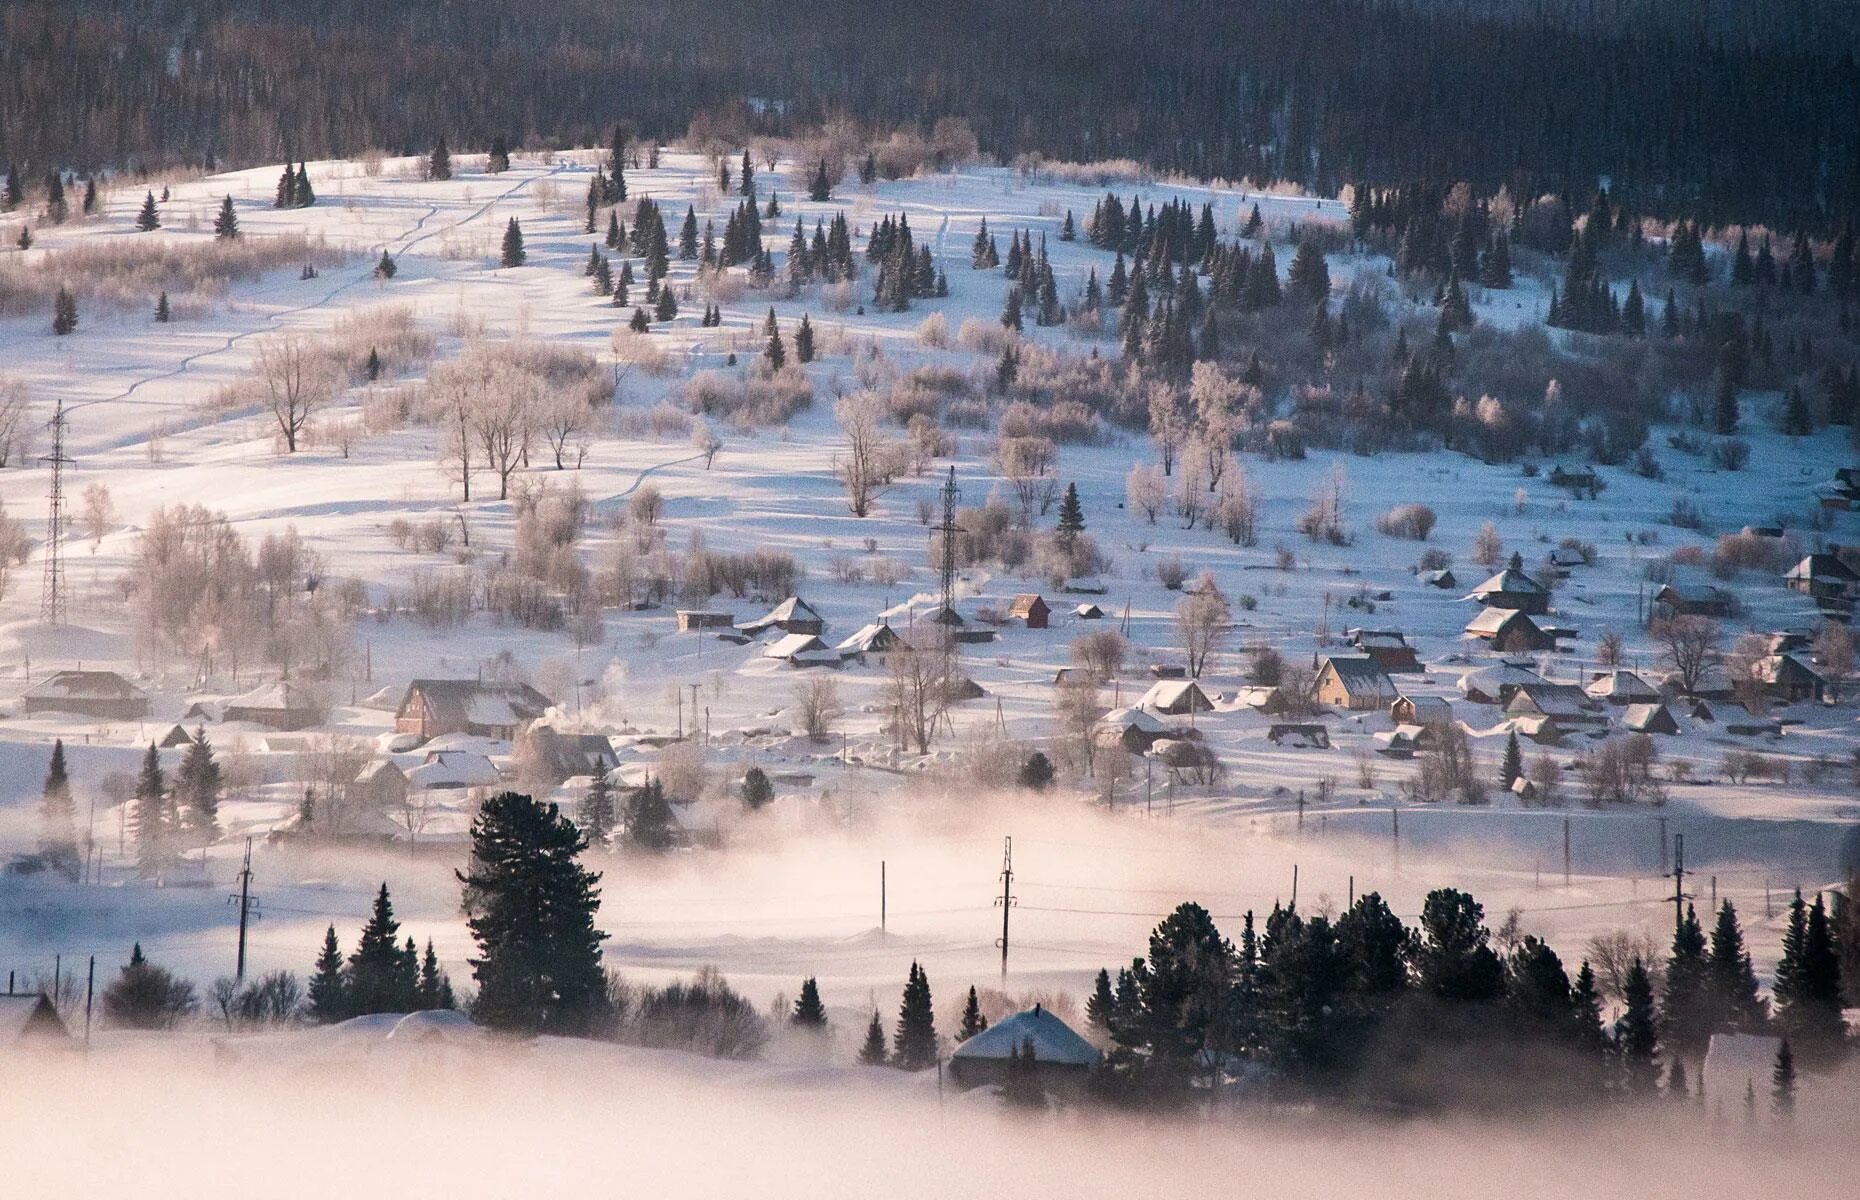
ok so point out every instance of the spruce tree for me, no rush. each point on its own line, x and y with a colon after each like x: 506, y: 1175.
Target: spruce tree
x: 639, y: 322
x: 1733, y: 977
x: 304, y: 196
x: 1071, y: 515
x: 13, y: 193
x: 804, y: 341
x: 1808, y: 982
x: 197, y: 788
x: 435, y: 989
x: 162, y: 313
x: 1725, y: 410
x: 1102, y: 1004
x: 756, y: 791
x: 328, y: 989
x: 153, y: 827
x: 973, y: 1022
x: 1010, y: 312
x: 596, y: 813
x: 513, y: 255
x: 386, y: 268
x: 531, y: 907
x: 1637, y: 1033
x: 64, y: 312
x: 1036, y: 774
x: 649, y: 817
x: 148, y: 220
x: 57, y: 209
x: 58, y: 817
x: 748, y: 174
x: 1686, y: 1014
x: 1309, y: 277
x: 498, y: 161
x: 821, y: 189
x: 226, y: 224
x: 914, y: 1041
x: 774, y: 353
x: 872, y: 1053
x: 376, y: 975
x: 371, y: 369
x: 439, y: 165
x: 1511, y: 767
x: 809, y: 1013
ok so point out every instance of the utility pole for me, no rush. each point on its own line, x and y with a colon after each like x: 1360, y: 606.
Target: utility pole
x: 1565, y: 851
x: 1294, y: 885
x: 947, y: 558
x: 54, y: 604
x: 246, y: 903
x: 90, y: 992
x: 1679, y: 879
x: 1007, y: 898
x: 882, y: 904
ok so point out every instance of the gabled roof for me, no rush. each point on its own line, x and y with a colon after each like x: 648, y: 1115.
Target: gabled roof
x: 1429, y: 708
x: 1168, y: 693
x: 1785, y: 668
x: 1510, y: 581
x: 282, y: 696
x: 792, y: 609
x: 873, y: 639
x: 23, y: 1016
x: 1491, y: 622
x: 1822, y: 566
x: 85, y: 685
x: 1622, y: 685
x: 454, y: 769
x: 478, y: 702
x: 1138, y: 719
x: 1024, y: 603
x: 1359, y: 675
x: 793, y: 645
x: 1550, y: 699
x: 1641, y: 717
x: 1692, y: 592
x: 1053, y: 1040
x: 1488, y: 680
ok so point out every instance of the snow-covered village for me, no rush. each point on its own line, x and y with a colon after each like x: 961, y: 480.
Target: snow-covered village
x: 776, y: 625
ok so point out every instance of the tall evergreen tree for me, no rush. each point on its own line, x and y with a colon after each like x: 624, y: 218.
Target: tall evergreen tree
x: 328, y: 987
x: 1733, y: 978
x: 12, y: 193
x: 64, y: 311
x: 649, y: 817
x: 162, y: 312
x: 379, y: 978
x: 1071, y: 515
x: 197, y: 790
x: 1637, y: 1037
x: 154, y: 825
x: 1103, y: 1002
x: 872, y: 1052
x: 973, y: 1022
x: 148, y: 220
x: 1808, y: 982
x: 1686, y: 1001
x: 774, y: 353
x: 914, y: 1041
x: 513, y: 254
x: 1782, y: 1081
x: 58, y: 817
x: 226, y: 224
x: 531, y: 907
x: 804, y: 341
x: 434, y: 992
x: 1511, y: 767
x: 821, y: 189
x: 498, y: 160
x: 439, y: 164
x: 809, y: 1012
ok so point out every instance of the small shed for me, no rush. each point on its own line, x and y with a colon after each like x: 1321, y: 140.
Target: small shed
x: 1388, y: 647
x: 793, y: 615
x: 1176, y: 697
x: 1443, y: 579
x: 30, y: 1020
x: 1685, y: 598
x: 1088, y: 612
x: 691, y: 620
x: 1564, y: 703
x: 1063, y: 1060
x: 1135, y: 729
x: 1031, y: 609
x: 1358, y: 684
x: 1421, y: 710
x: 1496, y: 683
x: 380, y: 784
x: 1649, y: 718
x: 801, y: 650
x: 1300, y: 735
x: 876, y: 640
x: 1261, y: 698
x: 1510, y: 630
x: 104, y: 695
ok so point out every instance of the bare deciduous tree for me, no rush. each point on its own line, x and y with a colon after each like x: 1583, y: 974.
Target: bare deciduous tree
x: 296, y: 383
x: 816, y: 706
x: 1077, y: 705
x: 1201, y: 621
x: 1100, y: 653
x: 918, y: 685
x: 1145, y: 491
x: 1028, y: 463
x: 868, y: 465
x: 1834, y: 650
x: 15, y: 427
x: 1691, y: 646
x: 564, y: 417
x: 503, y: 422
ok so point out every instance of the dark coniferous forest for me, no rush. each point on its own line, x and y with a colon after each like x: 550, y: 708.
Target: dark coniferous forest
x: 1722, y: 112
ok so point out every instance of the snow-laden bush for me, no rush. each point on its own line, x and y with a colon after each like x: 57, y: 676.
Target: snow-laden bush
x: 1411, y: 521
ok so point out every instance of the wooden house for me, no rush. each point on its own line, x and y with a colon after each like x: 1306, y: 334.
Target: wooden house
x: 284, y: 706
x: 1510, y: 630
x: 104, y: 695
x: 793, y: 615
x: 1421, y: 710
x: 1176, y: 697
x: 1511, y: 588
x: 1388, y: 647
x: 874, y: 641
x: 1693, y: 599
x: 1823, y: 576
x: 434, y: 707
x: 1622, y: 687
x: 1358, y: 684
x: 1030, y: 609
x: 380, y: 784
x: 1496, y: 683
x: 801, y: 650
x: 1649, y: 718
x: 1788, y: 679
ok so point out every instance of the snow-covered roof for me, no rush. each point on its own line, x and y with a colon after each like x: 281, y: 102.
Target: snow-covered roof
x: 1429, y: 709
x: 1492, y: 621
x: 1621, y: 685
x: 85, y: 685
x: 793, y: 645
x: 875, y: 638
x: 282, y: 696
x: 1053, y: 1040
x: 453, y: 769
x: 1550, y: 699
x: 1138, y: 719
x: 1171, y: 693
x: 792, y: 609
x: 1510, y: 581
x: 1823, y: 567
x: 1488, y: 680
x: 1641, y: 717
x: 1360, y: 675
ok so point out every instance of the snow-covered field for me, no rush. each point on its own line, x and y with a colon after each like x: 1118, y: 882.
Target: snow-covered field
x: 796, y: 891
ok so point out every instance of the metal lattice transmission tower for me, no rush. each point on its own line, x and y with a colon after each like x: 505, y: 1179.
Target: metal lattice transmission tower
x: 951, y: 493
x: 53, y: 600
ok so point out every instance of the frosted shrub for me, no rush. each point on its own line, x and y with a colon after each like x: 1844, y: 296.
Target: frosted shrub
x: 985, y: 337
x: 933, y: 332
x: 1411, y: 521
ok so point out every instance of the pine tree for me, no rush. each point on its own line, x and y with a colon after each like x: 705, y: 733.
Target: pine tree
x: 1808, y: 982
x: 1686, y: 1011
x: 809, y: 1013
x: 1071, y: 515
x: 498, y: 160
x: 1309, y: 277
x: 162, y: 313
x: 148, y: 220
x: 57, y: 210
x: 1733, y: 978
x: 513, y: 255
x: 153, y: 827
x: 197, y: 789
x: 1796, y: 420
x: 667, y: 308
x: 64, y: 312
x: 804, y: 341
x: 58, y: 817
x: 774, y: 353
x: 1010, y: 312
x: 756, y: 791
x: 649, y: 817
x: 386, y: 268
x: 531, y: 907
x: 639, y: 322
x: 1102, y: 1004
x: 1782, y: 1081
x: 13, y: 193
x: 1725, y: 410
x: 435, y: 988
x: 603, y: 278
x: 1068, y: 232
x: 328, y: 989
x: 1036, y: 774
x: 973, y: 1022
x: 748, y: 174
x: 596, y: 812
x: 821, y: 190
x: 371, y: 369
x: 1511, y: 768
x: 914, y: 1041
x: 439, y: 165
x: 614, y: 233
x: 1637, y: 1033
x: 872, y: 1053
x: 304, y: 196
x: 226, y: 224
x: 376, y: 976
